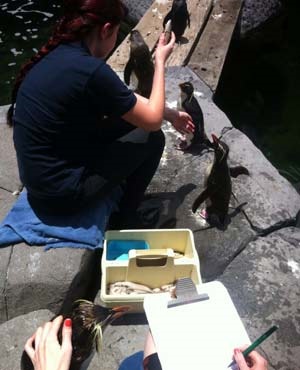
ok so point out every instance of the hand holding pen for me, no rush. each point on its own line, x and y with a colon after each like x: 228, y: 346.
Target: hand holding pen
x: 254, y: 361
x: 257, y: 363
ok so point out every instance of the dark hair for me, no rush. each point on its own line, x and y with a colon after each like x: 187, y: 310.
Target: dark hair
x: 80, y: 17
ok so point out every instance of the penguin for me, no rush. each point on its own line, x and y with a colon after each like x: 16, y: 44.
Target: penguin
x: 218, y: 185
x: 89, y: 320
x: 140, y: 63
x: 180, y: 18
x: 188, y: 103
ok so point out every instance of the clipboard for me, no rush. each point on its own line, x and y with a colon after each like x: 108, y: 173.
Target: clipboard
x: 196, y: 336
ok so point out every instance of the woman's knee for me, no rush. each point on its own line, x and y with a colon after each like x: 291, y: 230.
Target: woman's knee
x: 157, y: 140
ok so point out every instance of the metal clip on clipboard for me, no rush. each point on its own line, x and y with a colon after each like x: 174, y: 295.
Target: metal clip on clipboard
x: 186, y: 292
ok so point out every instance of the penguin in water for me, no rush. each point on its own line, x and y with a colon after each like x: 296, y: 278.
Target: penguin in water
x: 218, y: 185
x: 188, y: 103
x: 179, y: 17
x: 89, y: 320
x: 140, y: 64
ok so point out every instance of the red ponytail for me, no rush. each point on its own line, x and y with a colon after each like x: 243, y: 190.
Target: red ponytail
x: 80, y: 17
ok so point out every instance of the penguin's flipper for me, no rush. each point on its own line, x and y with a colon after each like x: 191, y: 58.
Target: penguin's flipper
x: 127, y: 71
x: 238, y: 170
x: 200, y: 199
x: 189, y: 20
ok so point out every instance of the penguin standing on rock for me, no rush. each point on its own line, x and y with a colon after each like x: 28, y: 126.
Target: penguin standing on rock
x: 179, y: 17
x: 88, y: 323
x: 218, y: 186
x: 188, y: 103
x: 140, y: 64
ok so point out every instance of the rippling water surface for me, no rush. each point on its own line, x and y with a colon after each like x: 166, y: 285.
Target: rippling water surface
x: 24, y: 27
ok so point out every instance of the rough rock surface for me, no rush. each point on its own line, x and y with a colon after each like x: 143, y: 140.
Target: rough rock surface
x: 256, y: 12
x: 264, y: 283
x: 54, y: 279
x: 14, y: 334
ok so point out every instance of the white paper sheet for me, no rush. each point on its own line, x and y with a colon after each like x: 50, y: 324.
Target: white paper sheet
x: 199, y: 335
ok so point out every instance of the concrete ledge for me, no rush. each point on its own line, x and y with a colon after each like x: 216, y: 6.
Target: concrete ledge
x: 9, y: 174
x: 52, y: 279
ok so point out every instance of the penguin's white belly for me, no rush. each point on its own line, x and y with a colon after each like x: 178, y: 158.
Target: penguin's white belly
x: 189, y: 136
x: 133, y: 81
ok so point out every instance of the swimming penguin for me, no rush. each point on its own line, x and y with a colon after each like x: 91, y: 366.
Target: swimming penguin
x: 218, y: 185
x: 188, y: 103
x: 88, y: 323
x: 180, y: 18
x: 140, y: 63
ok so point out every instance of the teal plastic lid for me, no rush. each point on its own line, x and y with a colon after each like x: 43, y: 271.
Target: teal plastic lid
x: 118, y: 249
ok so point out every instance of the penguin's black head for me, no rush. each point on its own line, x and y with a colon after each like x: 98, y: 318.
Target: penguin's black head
x: 187, y: 88
x: 221, y: 149
x: 136, y: 38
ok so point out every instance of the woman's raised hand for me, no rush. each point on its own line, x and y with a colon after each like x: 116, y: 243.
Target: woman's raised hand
x: 163, y: 49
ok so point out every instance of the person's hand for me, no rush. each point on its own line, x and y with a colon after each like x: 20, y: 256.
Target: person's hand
x: 183, y: 123
x: 45, y: 351
x: 254, y: 361
x: 163, y: 49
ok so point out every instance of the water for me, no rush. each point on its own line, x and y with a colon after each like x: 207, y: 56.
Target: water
x: 24, y: 28
x: 258, y: 90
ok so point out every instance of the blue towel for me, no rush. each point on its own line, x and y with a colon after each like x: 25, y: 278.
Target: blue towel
x: 83, y: 229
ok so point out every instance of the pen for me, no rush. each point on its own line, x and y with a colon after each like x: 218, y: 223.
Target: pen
x: 256, y: 343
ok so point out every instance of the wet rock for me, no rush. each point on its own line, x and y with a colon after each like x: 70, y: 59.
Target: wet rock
x: 254, y: 13
x: 137, y: 8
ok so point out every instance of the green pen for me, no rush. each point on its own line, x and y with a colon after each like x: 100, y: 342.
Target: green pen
x: 256, y: 343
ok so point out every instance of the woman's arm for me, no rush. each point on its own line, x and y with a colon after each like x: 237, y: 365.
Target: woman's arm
x: 181, y: 121
x: 148, y: 114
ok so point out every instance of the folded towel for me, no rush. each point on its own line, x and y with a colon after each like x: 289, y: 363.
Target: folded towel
x: 82, y: 229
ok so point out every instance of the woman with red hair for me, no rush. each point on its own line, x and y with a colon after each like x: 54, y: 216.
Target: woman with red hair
x: 70, y: 110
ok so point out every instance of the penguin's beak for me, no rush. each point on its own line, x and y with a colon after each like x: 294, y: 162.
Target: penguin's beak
x: 114, y: 313
x: 119, y: 311
x: 181, y: 86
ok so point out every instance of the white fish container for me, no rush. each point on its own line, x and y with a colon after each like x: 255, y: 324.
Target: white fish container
x: 171, y: 255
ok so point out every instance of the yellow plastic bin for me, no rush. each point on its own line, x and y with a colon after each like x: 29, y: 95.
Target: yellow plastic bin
x: 171, y: 255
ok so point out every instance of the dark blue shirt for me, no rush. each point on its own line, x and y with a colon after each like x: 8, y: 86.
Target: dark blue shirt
x: 58, y: 119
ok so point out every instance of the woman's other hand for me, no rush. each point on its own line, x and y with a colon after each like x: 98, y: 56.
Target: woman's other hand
x: 44, y: 349
x: 183, y: 123
x: 164, y: 50
x: 254, y: 361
